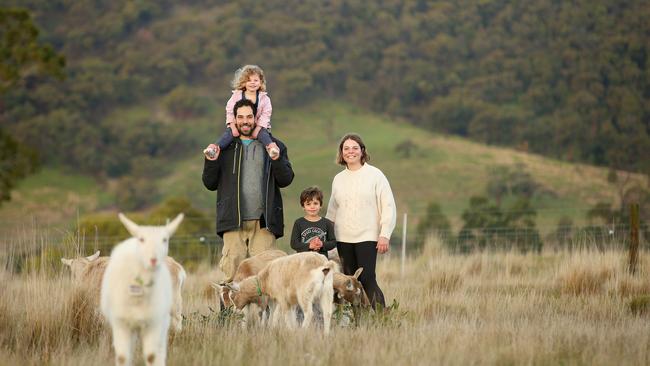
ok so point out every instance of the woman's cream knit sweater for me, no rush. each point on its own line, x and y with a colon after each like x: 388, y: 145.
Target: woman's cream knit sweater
x: 362, y: 205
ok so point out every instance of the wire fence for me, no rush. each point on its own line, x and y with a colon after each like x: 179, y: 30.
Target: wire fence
x: 574, y: 231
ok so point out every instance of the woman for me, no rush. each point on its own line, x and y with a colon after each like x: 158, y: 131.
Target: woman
x: 363, y: 211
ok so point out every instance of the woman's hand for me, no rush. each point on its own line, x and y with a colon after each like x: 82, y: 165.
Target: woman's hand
x: 382, y: 245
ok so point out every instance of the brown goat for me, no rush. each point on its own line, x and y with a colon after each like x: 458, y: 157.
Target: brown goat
x: 349, y: 288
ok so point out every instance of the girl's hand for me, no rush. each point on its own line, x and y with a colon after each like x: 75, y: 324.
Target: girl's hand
x: 382, y: 245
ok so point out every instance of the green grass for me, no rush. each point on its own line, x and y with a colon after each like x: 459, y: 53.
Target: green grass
x: 52, y: 196
x: 58, y: 180
x: 444, y: 169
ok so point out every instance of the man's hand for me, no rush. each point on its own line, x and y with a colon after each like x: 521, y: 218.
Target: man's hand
x: 211, y: 152
x: 382, y: 245
x: 273, y: 150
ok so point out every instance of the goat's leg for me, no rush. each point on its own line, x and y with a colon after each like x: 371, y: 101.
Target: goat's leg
x: 123, y: 340
x: 154, y: 343
x: 266, y: 314
x: 306, y: 304
x: 251, y: 314
x: 290, y: 316
x: 278, y: 311
x: 177, y: 313
x: 327, y: 307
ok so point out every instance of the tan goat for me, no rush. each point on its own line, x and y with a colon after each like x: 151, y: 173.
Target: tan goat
x: 248, y: 267
x: 300, y: 279
x: 88, y: 272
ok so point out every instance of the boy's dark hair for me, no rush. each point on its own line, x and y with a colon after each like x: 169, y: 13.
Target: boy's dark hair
x: 311, y: 193
x: 244, y: 103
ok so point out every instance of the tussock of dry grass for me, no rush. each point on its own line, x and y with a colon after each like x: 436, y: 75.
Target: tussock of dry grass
x: 580, y: 281
x: 505, y: 308
x: 445, y: 281
x: 85, y: 321
x: 586, y: 273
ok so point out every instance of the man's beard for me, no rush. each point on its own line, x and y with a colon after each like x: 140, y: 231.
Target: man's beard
x: 246, y: 134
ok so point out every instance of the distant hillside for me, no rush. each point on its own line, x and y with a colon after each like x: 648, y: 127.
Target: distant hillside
x: 565, y: 79
x: 442, y: 169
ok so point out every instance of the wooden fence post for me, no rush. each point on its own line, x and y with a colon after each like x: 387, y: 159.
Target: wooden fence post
x: 634, y: 237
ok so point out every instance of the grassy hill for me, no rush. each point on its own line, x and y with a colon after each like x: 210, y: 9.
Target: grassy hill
x: 447, y: 170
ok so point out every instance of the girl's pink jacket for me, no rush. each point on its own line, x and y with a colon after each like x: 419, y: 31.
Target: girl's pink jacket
x: 264, y: 109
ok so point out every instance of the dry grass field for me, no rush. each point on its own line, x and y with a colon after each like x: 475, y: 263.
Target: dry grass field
x: 576, y: 308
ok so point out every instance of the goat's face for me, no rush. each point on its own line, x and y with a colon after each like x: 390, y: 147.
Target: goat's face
x: 236, y: 296
x: 351, y: 289
x: 153, y: 241
x: 226, y: 297
x: 77, y: 265
x: 224, y: 293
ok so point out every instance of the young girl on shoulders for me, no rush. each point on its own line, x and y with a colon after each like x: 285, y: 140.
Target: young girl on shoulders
x: 249, y: 83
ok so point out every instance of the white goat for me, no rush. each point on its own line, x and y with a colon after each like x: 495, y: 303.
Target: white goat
x: 136, y: 293
x: 299, y: 279
x: 89, y: 271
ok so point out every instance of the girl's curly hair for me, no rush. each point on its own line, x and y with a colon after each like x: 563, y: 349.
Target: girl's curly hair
x: 242, y: 74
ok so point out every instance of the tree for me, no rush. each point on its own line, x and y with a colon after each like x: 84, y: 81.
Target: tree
x: 183, y: 103
x: 433, y: 223
x: 16, y: 162
x: 21, y: 55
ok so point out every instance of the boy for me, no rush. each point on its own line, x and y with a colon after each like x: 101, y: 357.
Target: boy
x: 312, y: 232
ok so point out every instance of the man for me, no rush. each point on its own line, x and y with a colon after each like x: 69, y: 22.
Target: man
x: 249, y: 203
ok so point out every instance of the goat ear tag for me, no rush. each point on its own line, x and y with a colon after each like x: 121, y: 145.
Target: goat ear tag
x: 136, y: 290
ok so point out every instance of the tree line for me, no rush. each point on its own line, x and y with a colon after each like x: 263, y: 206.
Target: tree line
x: 564, y: 79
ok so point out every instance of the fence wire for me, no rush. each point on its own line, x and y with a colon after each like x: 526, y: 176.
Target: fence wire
x: 206, y: 245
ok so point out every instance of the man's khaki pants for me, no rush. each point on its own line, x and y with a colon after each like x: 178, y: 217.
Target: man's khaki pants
x: 239, y: 244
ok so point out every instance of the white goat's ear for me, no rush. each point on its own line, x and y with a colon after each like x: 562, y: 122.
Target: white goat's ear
x: 358, y: 273
x: 172, y: 226
x: 93, y: 257
x: 67, y: 262
x: 130, y: 226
